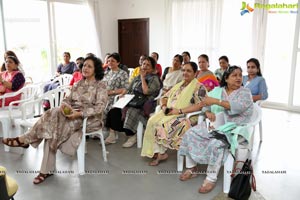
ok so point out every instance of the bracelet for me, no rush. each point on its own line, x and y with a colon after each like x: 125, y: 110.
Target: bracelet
x: 162, y: 106
x: 180, y: 111
x: 2, y: 81
x: 220, y: 101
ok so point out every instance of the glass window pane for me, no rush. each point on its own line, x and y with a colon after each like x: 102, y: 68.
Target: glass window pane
x: 27, y: 35
x: 279, y: 46
x: 74, y: 30
x: 296, y: 100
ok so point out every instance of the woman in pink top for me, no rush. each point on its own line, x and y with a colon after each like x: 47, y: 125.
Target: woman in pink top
x: 11, y: 80
x: 77, y: 76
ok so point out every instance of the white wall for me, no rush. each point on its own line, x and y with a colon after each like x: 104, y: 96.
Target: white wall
x: 112, y: 10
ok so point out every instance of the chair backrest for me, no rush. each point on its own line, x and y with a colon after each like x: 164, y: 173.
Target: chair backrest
x: 54, y: 97
x: 63, y: 79
x: 28, y: 92
x: 256, y: 115
x: 130, y: 71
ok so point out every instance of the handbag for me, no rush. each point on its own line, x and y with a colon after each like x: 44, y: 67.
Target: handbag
x: 240, y: 187
x: 138, y: 101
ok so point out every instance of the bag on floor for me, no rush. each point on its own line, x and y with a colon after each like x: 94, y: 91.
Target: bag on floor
x: 240, y: 187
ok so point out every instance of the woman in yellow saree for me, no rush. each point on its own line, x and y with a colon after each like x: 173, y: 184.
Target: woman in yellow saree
x: 166, y: 128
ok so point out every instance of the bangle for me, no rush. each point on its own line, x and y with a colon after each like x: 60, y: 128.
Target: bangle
x: 162, y: 106
x: 220, y: 101
x: 2, y: 81
x: 180, y: 111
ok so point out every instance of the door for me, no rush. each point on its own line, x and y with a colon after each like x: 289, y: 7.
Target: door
x: 133, y: 40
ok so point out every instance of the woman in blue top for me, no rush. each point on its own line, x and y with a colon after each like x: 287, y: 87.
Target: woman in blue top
x: 255, y: 81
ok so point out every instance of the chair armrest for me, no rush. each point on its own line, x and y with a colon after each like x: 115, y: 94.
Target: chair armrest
x: 189, y: 115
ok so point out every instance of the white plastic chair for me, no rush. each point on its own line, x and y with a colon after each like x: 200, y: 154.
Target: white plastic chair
x: 228, y: 165
x: 13, y: 111
x: 81, y: 148
x: 33, y: 108
x: 130, y: 71
x: 259, y: 103
x: 63, y: 79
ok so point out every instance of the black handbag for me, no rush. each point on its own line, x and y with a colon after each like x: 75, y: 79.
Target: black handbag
x: 138, y: 101
x: 240, y: 187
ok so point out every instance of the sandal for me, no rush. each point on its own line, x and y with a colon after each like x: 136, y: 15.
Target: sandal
x: 158, y: 159
x: 14, y: 142
x: 188, y: 174
x: 206, y: 187
x: 41, y: 178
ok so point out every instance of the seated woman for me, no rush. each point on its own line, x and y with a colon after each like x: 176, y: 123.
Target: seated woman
x: 172, y: 75
x: 117, y: 82
x: 136, y: 70
x: 77, y: 76
x: 224, y: 64
x: 166, y: 128
x: 204, y: 75
x: 61, y: 127
x: 198, y: 146
x: 255, y: 81
x: 146, y: 85
x: 11, y: 80
x: 67, y: 67
x: 158, y: 67
x: 186, y: 57
x: 11, y: 53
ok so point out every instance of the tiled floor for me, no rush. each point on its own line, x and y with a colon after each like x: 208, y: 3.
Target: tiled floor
x: 111, y: 180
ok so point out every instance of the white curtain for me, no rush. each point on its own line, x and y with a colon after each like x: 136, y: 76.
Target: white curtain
x: 259, y: 30
x: 195, y: 27
x: 95, y: 9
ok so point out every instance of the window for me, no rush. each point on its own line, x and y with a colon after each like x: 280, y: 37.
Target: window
x: 278, y: 54
x: 40, y: 45
x: 27, y: 35
x: 73, y: 27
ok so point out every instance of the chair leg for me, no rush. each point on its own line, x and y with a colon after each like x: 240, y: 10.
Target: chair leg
x: 6, y: 131
x: 227, y: 172
x: 140, y: 130
x: 180, y: 159
x: 81, y: 156
x: 260, y: 130
x: 103, y: 147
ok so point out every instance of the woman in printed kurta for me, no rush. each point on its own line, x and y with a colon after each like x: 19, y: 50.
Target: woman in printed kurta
x: 117, y: 82
x: 146, y: 84
x: 88, y: 98
x: 11, y: 80
x: 197, y: 144
x: 116, y: 79
x: 165, y: 129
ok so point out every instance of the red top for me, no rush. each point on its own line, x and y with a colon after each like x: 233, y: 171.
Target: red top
x: 159, y: 70
x: 77, y: 76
